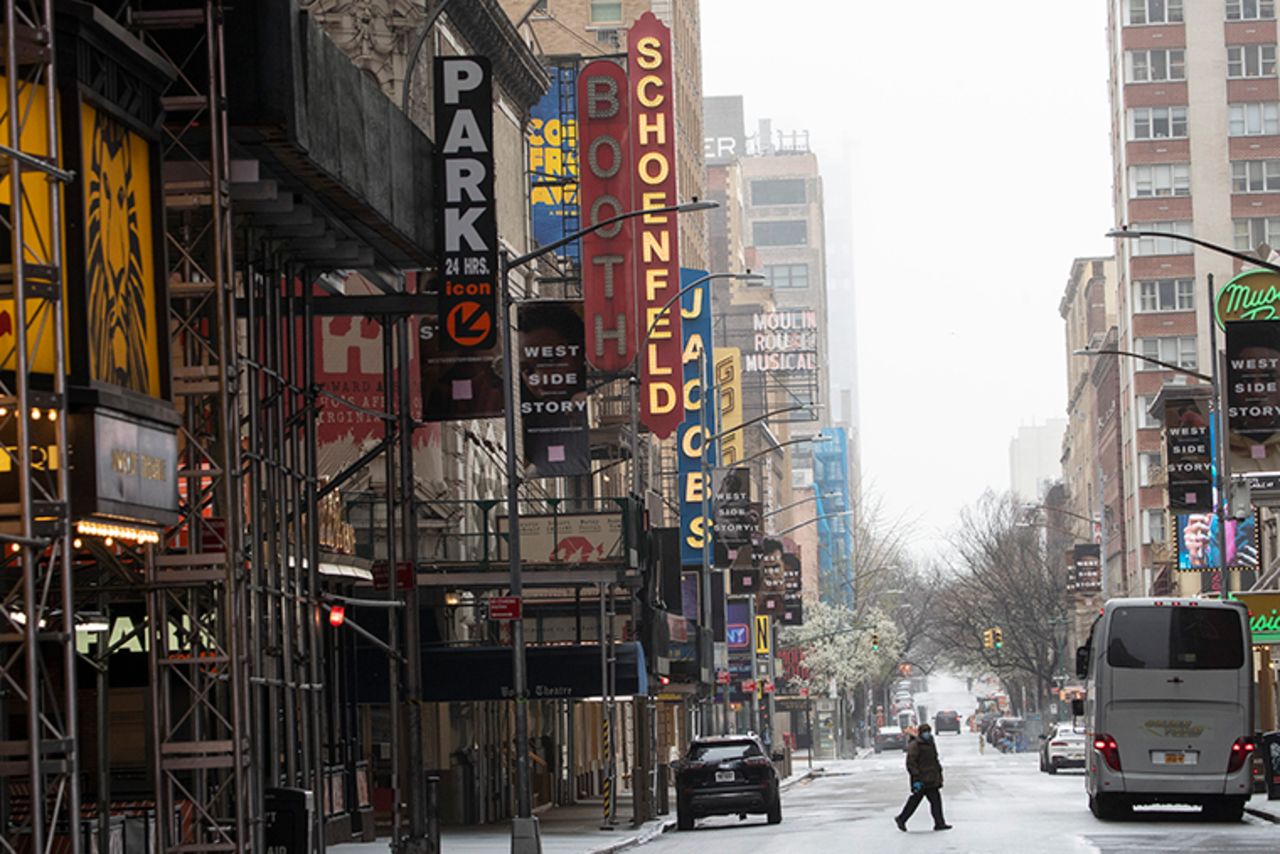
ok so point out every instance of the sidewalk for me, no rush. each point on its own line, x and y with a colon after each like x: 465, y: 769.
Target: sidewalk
x: 1262, y: 808
x: 566, y: 830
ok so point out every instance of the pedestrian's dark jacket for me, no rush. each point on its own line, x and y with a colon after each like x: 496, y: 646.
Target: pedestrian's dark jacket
x: 923, y: 764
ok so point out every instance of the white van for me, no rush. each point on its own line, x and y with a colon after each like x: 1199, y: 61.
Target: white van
x: 1169, y: 711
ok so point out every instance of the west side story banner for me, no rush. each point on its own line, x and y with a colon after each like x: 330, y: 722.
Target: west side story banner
x: 699, y: 423
x: 1189, y: 463
x: 553, y: 388
x: 1253, y: 396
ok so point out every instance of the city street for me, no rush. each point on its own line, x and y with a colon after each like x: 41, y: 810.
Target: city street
x: 996, y: 802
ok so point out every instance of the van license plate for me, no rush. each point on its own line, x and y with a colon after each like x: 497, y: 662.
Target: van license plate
x: 1174, y: 757
x: 724, y: 776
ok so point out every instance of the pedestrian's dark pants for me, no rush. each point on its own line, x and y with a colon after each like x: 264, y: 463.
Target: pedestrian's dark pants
x: 934, y: 794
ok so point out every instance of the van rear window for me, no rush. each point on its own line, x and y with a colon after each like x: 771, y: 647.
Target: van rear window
x: 1150, y: 638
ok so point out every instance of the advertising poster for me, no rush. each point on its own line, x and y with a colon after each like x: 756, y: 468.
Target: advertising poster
x: 573, y: 538
x: 771, y: 598
x: 553, y: 163
x: 693, y: 470
x: 604, y: 191
x: 553, y: 388
x: 653, y: 142
x: 1253, y: 396
x: 1198, y: 543
x: 1188, y: 454
x: 457, y: 384
x: 467, y: 224
x: 738, y: 639
x: 728, y: 382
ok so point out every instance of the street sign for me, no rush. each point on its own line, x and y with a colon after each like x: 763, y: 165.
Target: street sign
x: 748, y: 686
x: 505, y: 608
x: 722, y: 677
x: 804, y: 692
x: 769, y: 688
x: 404, y: 575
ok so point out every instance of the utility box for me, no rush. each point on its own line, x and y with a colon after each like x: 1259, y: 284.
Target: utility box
x: 289, y: 818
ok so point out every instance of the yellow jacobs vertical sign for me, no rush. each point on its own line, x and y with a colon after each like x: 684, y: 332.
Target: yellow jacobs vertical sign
x: 728, y: 374
x: 119, y: 254
x: 762, y: 634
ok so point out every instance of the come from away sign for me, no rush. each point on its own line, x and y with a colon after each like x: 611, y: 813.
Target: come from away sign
x: 1252, y: 295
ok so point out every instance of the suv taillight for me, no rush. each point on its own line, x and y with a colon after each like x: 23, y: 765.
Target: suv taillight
x: 757, y: 761
x: 1106, y: 745
x: 1240, y: 751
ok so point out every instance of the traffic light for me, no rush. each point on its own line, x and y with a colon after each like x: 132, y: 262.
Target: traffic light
x: 875, y: 641
x: 988, y: 639
x: 997, y: 636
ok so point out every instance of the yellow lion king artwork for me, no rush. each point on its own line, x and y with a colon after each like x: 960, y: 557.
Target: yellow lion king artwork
x: 118, y: 255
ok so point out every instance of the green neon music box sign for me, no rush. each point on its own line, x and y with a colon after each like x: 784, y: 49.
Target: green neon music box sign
x: 1252, y: 295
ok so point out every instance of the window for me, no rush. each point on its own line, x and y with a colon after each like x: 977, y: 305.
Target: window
x: 1253, y: 119
x: 1153, y: 527
x: 606, y: 11
x: 1255, y: 176
x: 780, y: 232
x: 1163, y: 179
x: 1148, y: 468
x: 723, y: 751
x: 1164, y: 245
x: 1177, y: 350
x: 788, y: 276
x: 1252, y: 231
x: 1164, y: 295
x: 1157, y: 122
x: 1147, y: 421
x: 1250, y: 10
x: 1149, y: 66
x: 1154, y: 11
x: 778, y: 191
x: 1150, y: 638
x: 1249, y: 60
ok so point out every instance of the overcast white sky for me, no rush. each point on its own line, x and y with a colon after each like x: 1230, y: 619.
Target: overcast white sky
x: 978, y: 134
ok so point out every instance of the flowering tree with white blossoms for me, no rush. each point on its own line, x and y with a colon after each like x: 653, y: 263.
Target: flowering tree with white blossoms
x: 838, y: 646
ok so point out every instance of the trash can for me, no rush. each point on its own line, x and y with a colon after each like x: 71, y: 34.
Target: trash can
x: 1271, y: 763
x: 289, y: 814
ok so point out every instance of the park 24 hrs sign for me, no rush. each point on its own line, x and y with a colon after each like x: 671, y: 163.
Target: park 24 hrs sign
x: 467, y: 227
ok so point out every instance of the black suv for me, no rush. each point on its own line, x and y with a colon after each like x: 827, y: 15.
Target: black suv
x: 724, y: 775
x: 947, y: 721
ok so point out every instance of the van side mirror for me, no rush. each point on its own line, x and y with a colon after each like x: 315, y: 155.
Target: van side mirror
x: 1077, y: 707
x: 1082, y: 662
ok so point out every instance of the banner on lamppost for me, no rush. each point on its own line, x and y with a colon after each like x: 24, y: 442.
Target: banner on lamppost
x: 553, y: 388
x: 792, y: 588
x: 654, y: 186
x: 1188, y: 453
x: 457, y: 385
x: 467, y: 228
x: 604, y: 191
x: 553, y: 162
x: 1253, y: 395
x: 733, y: 522
x: 1086, y: 563
x: 771, y: 599
x: 696, y: 456
x: 728, y: 383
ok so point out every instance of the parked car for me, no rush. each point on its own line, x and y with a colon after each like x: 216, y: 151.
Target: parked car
x: 890, y: 738
x: 1062, y: 747
x: 947, y: 720
x: 726, y: 775
x: 1008, y: 734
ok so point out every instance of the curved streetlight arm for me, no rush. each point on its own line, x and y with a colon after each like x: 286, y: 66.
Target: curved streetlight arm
x: 1132, y: 233
x: 1154, y: 361
x: 1090, y: 519
x: 783, y: 411
x: 758, y: 454
x: 683, y: 207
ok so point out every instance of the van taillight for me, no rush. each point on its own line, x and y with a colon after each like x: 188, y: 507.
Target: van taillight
x: 1240, y: 751
x: 1106, y: 745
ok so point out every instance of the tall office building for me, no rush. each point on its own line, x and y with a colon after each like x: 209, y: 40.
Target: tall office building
x: 1035, y: 455
x: 1195, y: 109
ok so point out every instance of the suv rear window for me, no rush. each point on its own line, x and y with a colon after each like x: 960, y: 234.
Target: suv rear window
x: 721, y: 751
x: 1150, y: 638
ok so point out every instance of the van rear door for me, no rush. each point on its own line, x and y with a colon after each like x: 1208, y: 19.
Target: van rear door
x: 1176, y: 689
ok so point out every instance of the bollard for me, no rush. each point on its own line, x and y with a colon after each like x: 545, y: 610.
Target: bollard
x: 433, y: 812
x: 664, y: 795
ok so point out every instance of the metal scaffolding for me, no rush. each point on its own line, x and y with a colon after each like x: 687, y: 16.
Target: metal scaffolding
x: 37, y: 631
x: 196, y: 586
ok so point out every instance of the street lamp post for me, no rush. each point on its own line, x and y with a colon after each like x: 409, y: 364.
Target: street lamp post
x: 524, y: 827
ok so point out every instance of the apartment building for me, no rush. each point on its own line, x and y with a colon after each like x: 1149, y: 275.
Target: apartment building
x: 1195, y: 105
